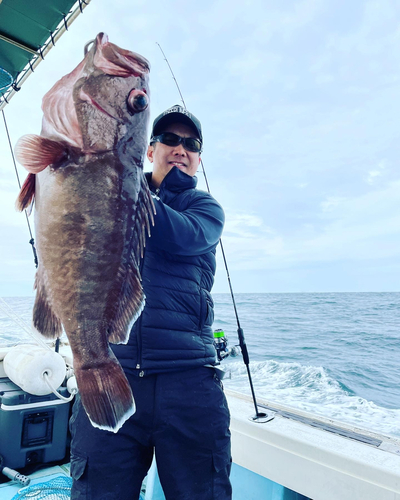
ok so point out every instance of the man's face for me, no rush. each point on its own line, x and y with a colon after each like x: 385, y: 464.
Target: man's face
x: 165, y: 157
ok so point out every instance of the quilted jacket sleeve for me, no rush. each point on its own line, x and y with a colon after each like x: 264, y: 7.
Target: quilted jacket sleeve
x: 193, y: 231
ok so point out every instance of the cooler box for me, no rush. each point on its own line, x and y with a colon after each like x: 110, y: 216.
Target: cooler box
x: 33, y: 429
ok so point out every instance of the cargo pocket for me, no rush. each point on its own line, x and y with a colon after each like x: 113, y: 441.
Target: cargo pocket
x: 222, y: 462
x: 79, y: 476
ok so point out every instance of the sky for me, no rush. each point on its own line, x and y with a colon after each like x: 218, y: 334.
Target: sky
x: 300, y: 107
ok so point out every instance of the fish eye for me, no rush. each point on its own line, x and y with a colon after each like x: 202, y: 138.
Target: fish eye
x: 137, y: 101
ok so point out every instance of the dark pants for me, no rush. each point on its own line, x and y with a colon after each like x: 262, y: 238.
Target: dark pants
x: 183, y: 417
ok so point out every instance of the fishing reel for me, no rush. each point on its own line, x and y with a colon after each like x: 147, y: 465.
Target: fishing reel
x: 221, y: 346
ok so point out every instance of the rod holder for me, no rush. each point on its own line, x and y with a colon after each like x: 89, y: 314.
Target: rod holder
x: 261, y: 417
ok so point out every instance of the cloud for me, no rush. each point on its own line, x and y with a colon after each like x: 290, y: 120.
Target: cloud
x: 331, y: 203
x: 358, y: 228
x: 373, y: 175
x: 363, y: 227
x: 299, y: 106
x: 244, y: 224
x: 248, y: 241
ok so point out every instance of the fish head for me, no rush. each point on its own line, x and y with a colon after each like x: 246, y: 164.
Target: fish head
x: 105, y: 97
x: 111, y: 98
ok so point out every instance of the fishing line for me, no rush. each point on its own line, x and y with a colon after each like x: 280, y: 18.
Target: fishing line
x: 7, y: 309
x: 242, y: 342
x: 31, y: 241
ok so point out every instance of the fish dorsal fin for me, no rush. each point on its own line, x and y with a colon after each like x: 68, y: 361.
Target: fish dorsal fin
x: 115, y: 61
x: 131, y: 298
x: 27, y: 194
x: 36, y: 153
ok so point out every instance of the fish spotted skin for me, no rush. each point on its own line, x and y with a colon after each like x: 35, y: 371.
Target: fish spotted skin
x: 92, y: 206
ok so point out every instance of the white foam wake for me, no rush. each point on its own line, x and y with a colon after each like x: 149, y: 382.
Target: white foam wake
x: 310, y: 388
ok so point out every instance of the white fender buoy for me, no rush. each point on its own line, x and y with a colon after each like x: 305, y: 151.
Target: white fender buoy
x: 26, y: 366
x: 72, y: 385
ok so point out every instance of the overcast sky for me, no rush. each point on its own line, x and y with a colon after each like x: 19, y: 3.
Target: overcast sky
x: 300, y: 106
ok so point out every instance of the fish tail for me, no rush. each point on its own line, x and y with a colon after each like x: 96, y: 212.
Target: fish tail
x: 36, y: 153
x: 27, y: 194
x: 106, y: 395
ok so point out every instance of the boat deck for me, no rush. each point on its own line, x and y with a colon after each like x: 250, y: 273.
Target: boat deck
x: 10, y: 489
x: 294, y: 456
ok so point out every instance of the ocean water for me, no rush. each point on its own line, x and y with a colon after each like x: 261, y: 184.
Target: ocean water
x: 334, y: 354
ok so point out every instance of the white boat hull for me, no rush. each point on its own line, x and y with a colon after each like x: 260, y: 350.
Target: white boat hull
x: 314, y: 462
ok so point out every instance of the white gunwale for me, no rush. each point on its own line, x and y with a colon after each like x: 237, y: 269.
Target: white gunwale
x: 310, y: 460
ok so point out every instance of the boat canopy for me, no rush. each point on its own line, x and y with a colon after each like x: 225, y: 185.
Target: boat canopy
x: 28, y: 30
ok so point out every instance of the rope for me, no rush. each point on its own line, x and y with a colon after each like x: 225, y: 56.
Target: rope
x: 54, y: 391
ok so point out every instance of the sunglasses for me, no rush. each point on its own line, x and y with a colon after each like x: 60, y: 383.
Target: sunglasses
x: 170, y: 139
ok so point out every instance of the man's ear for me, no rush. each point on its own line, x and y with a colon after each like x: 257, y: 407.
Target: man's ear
x: 150, y: 153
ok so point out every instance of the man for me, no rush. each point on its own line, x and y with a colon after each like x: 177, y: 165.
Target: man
x: 182, y: 414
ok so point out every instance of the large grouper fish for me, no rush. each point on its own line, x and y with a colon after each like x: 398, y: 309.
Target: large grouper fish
x: 92, y: 210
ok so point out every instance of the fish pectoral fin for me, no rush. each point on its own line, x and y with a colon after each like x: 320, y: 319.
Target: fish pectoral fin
x: 27, y: 194
x: 45, y: 320
x: 144, y: 217
x: 36, y: 153
x: 130, y: 305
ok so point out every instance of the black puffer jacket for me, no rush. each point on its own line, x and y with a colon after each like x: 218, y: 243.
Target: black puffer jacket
x: 174, y: 331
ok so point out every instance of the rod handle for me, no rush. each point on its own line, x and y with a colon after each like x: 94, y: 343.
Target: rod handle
x: 243, y: 346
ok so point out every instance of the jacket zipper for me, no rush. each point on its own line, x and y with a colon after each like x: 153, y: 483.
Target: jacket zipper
x: 139, y: 327
x: 139, y: 344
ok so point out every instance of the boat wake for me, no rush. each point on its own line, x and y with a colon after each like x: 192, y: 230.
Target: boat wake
x: 312, y: 389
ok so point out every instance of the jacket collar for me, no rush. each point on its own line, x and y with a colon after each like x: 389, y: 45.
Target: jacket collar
x: 175, y: 181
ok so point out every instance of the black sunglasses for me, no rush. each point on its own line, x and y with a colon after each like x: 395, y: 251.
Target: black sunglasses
x: 170, y: 139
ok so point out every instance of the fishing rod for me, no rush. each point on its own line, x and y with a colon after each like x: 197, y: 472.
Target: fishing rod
x: 259, y: 416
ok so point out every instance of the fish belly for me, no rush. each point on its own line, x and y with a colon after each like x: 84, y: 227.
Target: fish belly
x: 83, y: 243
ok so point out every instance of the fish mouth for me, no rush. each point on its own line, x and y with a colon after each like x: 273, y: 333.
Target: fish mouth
x: 87, y: 98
